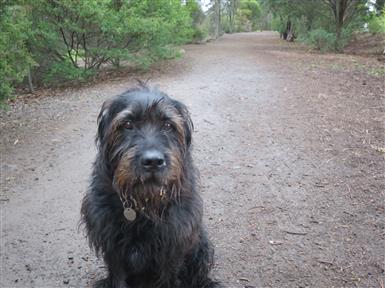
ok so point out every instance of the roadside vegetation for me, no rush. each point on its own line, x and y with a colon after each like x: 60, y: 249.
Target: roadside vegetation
x: 326, y: 25
x: 48, y: 43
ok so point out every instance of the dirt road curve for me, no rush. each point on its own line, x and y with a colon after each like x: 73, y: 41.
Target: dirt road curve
x: 289, y: 145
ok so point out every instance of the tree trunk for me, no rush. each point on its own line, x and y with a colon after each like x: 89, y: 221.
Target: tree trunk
x: 232, y: 12
x: 30, y: 84
x: 341, y: 7
x: 343, y: 11
x: 338, y: 37
x: 287, y: 31
x: 231, y: 22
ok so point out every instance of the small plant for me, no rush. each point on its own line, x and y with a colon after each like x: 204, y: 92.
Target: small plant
x: 322, y: 40
x: 377, y: 24
x: 199, y: 34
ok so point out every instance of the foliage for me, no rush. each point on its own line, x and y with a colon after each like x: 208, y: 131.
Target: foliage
x: 60, y: 72
x: 56, y: 41
x: 199, y: 34
x: 376, y: 23
x: 379, y: 6
x: 15, y: 58
x: 199, y: 29
x: 298, y: 19
x: 241, y: 15
x: 247, y: 15
x: 284, y: 11
x: 196, y: 12
x: 72, y: 39
x: 96, y: 32
x: 321, y: 39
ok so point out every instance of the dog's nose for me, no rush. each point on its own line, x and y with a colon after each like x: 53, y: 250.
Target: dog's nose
x: 153, y: 160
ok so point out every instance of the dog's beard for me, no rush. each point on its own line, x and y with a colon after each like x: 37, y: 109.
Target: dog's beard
x: 150, y: 199
x: 148, y: 196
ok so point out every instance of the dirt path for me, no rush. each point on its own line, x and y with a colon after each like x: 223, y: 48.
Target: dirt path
x: 289, y: 148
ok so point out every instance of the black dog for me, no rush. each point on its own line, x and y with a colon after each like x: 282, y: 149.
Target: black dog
x: 143, y: 213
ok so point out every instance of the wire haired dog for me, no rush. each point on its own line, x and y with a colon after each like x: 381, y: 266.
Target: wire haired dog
x: 143, y: 213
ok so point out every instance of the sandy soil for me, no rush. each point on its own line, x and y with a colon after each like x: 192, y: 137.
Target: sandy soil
x: 290, y: 146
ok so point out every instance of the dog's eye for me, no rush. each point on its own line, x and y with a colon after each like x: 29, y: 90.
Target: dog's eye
x: 168, y: 126
x: 128, y: 125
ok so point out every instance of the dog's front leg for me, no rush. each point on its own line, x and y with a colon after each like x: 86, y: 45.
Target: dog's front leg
x: 167, y: 279
x: 119, y: 280
x: 184, y: 221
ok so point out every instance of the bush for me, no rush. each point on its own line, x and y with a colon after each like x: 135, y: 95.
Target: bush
x: 277, y: 25
x: 15, y: 59
x: 199, y: 34
x: 322, y: 40
x: 69, y: 40
x: 377, y: 24
x: 346, y: 36
x: 65, y: 71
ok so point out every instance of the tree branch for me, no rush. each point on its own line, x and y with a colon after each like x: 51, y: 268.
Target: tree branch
x: 68, y: 47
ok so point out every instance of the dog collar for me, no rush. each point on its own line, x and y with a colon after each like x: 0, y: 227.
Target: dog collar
x: 128, y: 207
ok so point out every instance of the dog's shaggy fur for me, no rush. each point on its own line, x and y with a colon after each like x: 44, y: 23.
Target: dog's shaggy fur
x: 144, y: 161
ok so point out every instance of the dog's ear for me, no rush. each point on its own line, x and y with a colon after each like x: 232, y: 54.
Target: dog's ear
x: 187, y: 122
x: 102, y: 121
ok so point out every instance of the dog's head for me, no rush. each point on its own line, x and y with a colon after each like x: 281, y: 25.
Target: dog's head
x: 143, y: 137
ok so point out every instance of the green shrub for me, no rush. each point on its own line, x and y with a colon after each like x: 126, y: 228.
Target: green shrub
x: 68, y: 40
x: 277, y: 25
x: 322, y: 40
x: 225, y: 23
x: 65, y: 71
x: 199, y: 34
x: 15, y: 59
x: 346, y: 36
x: 377, y: 24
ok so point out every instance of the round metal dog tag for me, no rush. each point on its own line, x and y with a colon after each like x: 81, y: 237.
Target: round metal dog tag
x: 130, y: 214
